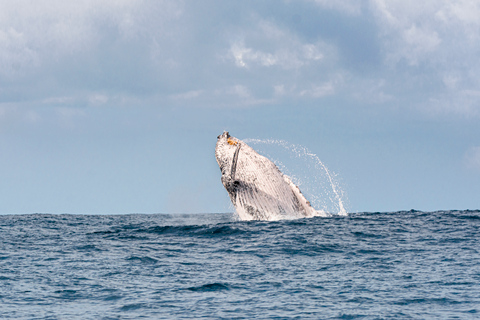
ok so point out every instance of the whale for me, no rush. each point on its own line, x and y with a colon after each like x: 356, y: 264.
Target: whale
x: 256, y: 186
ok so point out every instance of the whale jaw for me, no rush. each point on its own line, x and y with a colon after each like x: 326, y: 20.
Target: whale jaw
x: 257, y: 188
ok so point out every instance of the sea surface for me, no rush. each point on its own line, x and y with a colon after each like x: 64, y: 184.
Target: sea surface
x: 395, y: 265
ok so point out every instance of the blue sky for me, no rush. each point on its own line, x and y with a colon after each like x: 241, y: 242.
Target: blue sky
x: 115, y: 106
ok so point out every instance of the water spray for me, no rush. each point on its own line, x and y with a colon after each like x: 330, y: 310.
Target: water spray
x: 302, y: 152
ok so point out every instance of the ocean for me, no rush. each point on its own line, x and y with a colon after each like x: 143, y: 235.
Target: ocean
x: 392, y: 265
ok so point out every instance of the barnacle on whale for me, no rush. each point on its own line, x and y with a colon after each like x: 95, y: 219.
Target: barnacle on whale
x: 231, y: 142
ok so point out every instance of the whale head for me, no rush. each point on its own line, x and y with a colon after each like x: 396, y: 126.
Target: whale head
x: 225, y: 151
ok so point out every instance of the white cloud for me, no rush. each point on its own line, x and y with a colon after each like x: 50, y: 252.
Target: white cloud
x: 442, y: 39
x: 243, y: 55
x: 408, y: 29
x: 463, y: 14
x: 451, y: 81
x: 33, y: 33
x: 98, y: 99
x: 64, y: 53
x: 278, y: 47
x: 311, y: 52
x: 279, y: 64
x: 15, y: 55
x: 420, y: 42
x: 287, y: 58
x: 427, y: 31
x: 240, y: 91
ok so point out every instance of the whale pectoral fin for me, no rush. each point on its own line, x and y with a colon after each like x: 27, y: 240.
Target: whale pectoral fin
x: 234, y: 163
x: 231, y: 186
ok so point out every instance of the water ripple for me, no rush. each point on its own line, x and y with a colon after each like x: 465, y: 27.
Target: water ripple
x: 404, y: 265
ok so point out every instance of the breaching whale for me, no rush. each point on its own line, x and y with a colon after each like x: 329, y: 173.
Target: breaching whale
x: 257, y: 188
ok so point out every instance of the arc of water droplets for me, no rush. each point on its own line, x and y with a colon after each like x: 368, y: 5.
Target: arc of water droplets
x: 296, y: 149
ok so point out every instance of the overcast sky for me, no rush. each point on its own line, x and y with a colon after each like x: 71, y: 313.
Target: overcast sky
x: 115, y: 106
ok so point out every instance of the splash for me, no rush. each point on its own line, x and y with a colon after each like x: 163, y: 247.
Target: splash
x: 308, y: 172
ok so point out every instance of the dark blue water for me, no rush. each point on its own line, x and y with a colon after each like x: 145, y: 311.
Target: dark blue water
x: 402, y: 265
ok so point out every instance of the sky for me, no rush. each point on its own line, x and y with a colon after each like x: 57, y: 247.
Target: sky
x: 114, y: 106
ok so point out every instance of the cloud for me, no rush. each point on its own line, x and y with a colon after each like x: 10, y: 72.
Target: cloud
x: 83, y: 43
x: 92, y: 53
x: 98, y: 99
x: 283, y: 49
x: 433, y: 45
x: 426, y: 56
x: 287, y: 59
x: 16, y: 56
x: 320, y: 90
x: 269, y: 54
x: 417, y: 31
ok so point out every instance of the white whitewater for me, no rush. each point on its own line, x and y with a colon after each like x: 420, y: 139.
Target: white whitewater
x: 315, y: 177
